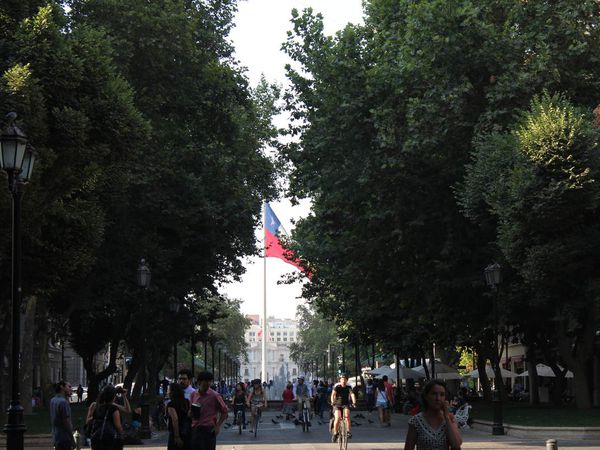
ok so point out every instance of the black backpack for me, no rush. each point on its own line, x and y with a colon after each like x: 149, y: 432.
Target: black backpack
x: 103, y: 430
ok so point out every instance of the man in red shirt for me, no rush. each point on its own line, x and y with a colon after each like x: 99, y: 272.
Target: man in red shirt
x: 208, y: 414
x: 389, y: 391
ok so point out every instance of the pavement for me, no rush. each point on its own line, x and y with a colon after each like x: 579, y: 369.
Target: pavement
x: 366, y: 436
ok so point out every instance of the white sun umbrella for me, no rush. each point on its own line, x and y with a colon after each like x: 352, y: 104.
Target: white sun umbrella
x: 380, y: 371
x: 392, y: 373
x: 545, y: 371
x: 442, y: 371
x: 490, y: 373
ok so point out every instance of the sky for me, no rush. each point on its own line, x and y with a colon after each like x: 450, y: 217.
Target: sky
x: 261, y: 27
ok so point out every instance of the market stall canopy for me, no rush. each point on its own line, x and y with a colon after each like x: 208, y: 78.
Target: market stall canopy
x: 545, y: 371
x: 442, y: 371
x: 490, y: 373
x: 392, y: 373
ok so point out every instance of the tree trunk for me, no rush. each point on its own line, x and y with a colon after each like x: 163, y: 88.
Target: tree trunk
x: 94, y: 378
x: 44, y: 360
x: 27, y: 354
x: 534, y: 393
x: 134, y: 367
x: 483, y: 378
x: 579, y: 357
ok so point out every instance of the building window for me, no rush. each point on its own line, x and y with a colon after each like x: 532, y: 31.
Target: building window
x: 284, y: 339
x: 281, y: 357
x: 278, y: 339
x: 294, y: 373
x: 246, y: 372
x: 285, y: 333
x: 279, y: 333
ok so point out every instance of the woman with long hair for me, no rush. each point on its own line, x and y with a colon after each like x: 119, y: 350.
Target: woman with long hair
x: 256, y: 398
x: 238, y: 401
x: 179, y: 421
x: 435, y: 428
x: 382, y: 402
x: 103, y: 414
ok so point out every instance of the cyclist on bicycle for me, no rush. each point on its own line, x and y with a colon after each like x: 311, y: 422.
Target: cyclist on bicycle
x: 340, y: 400
x: 256, y: 398
x: 238, y: 400
x: 302, y: 393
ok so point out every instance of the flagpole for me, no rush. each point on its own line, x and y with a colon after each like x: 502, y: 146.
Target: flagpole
x: 265, y: 331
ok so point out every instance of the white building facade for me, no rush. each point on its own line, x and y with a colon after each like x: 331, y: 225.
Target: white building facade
x: 279, y: 366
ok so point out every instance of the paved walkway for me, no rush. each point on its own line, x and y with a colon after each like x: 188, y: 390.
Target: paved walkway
x: 367, y: 436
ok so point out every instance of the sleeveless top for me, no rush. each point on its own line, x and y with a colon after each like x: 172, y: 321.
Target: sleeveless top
x: 257, y: 398
x: 427, y: 437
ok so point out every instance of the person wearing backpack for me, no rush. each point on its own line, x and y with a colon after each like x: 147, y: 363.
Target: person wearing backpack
x: 180, y: 424
x: 104, y: 421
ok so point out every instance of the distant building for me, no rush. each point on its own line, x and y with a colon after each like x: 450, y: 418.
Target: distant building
x: 280, y: 367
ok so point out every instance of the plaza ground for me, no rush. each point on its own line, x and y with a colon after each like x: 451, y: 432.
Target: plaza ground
x: 366, y: 436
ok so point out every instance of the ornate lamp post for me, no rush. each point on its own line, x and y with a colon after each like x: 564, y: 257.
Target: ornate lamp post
x: 16, y: 159
x: 144, y: 276
x: 493, y: 278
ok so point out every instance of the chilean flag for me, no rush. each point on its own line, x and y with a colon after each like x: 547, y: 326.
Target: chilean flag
x: 273, y: 247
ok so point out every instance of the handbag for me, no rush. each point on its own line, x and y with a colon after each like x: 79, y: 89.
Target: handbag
x: 103, y: 430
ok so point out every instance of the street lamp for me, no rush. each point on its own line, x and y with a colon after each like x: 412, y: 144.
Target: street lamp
x: 144, y: 277
x: 174, y: 306
x: 493, y: 278
x: 16, y: 159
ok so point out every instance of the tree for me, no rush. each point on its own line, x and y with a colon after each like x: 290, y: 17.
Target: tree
x: 545, y: 200
x: 386, y: 117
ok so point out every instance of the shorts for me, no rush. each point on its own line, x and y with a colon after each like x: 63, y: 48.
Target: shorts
x: 381, y: 404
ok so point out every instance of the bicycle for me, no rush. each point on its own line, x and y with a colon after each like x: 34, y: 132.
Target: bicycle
x: 305, y: 415
x: 257, y: 418
x: 239, y: 416
x: 342, y: 435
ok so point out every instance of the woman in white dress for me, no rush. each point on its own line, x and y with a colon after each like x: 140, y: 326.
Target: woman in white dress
x: 435, y: 428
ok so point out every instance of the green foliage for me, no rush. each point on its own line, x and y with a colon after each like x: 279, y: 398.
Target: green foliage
x: 390, y: 116
x: 150, y: 144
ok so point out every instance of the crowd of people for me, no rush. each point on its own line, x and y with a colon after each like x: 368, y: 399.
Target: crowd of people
x: 194, y: 415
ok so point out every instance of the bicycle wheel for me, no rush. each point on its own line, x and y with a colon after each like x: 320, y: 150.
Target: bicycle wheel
x: 343, y: 435
x: 307, y: 419
x: 256, y: 420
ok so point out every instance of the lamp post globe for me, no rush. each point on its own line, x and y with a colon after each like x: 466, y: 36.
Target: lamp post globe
x: 493, y: 275
x: 13, y: 143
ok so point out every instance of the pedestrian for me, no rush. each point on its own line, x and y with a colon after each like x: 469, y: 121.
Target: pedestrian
x: 79, y: 393
x: 208, y: 414
x: 104, y: 421
x: 184, y: 378
x: 222, y: 389
x: 370, y: 395
x: 315, y: 389
x: 435, y: 428
x: 389, y: 391
x: 238, y: 402
x: 60, y: 417
x: 288, y: 401
x: 381, y: 402
x: 179, y: 422
x: 322, y: 398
